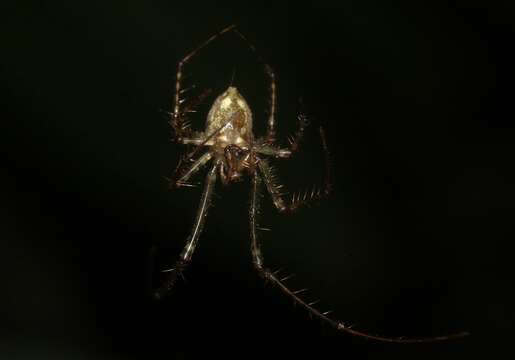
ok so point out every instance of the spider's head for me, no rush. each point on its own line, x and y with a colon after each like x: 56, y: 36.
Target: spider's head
x: 236, y: 160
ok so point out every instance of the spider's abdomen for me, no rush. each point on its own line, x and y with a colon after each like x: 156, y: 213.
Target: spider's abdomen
x: 230, y: 113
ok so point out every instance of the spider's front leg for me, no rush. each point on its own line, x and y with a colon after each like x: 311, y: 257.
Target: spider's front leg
x: 179, y: 123
x: 270, y: 131
x: 270, y: 134
x: 185, y: 258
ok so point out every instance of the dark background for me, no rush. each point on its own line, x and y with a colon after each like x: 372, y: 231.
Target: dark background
x: 417, y: 102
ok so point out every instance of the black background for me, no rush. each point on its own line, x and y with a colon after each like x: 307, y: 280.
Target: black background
x: 417, y: 102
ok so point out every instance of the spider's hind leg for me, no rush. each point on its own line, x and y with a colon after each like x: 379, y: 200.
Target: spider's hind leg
x: 271, y: 277
x: 184, y: 260
x: 297, y: 199
x: 258, y: 261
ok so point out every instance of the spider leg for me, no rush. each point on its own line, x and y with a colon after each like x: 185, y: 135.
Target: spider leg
x: 200, y: 142
x: 269, y: 276
x: 182, y: 176
x: 178, y: 122
x: 295, y: 139
x: 194, y: 140
x: 298, y: 199
x: 263, y: 147
x: 270, y: 133
x: 185, y: 257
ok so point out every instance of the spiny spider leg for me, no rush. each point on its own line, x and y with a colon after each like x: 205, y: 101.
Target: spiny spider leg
x: 185, y: 175
x: 182, y: 127
x: 200, y: 143
x: 177, y: 122
x: 186, y: 254
x: 270, y: 137
x: 298, y: 199
x: 270, y: 132
x: 263, y: 147
x: 271, y: 277
x: 295, y: 139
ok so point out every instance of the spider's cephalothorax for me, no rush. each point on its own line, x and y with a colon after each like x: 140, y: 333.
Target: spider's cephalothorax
x: 232, y: 149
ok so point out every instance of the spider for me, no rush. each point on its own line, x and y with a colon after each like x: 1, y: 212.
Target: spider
x: 233, y: 151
